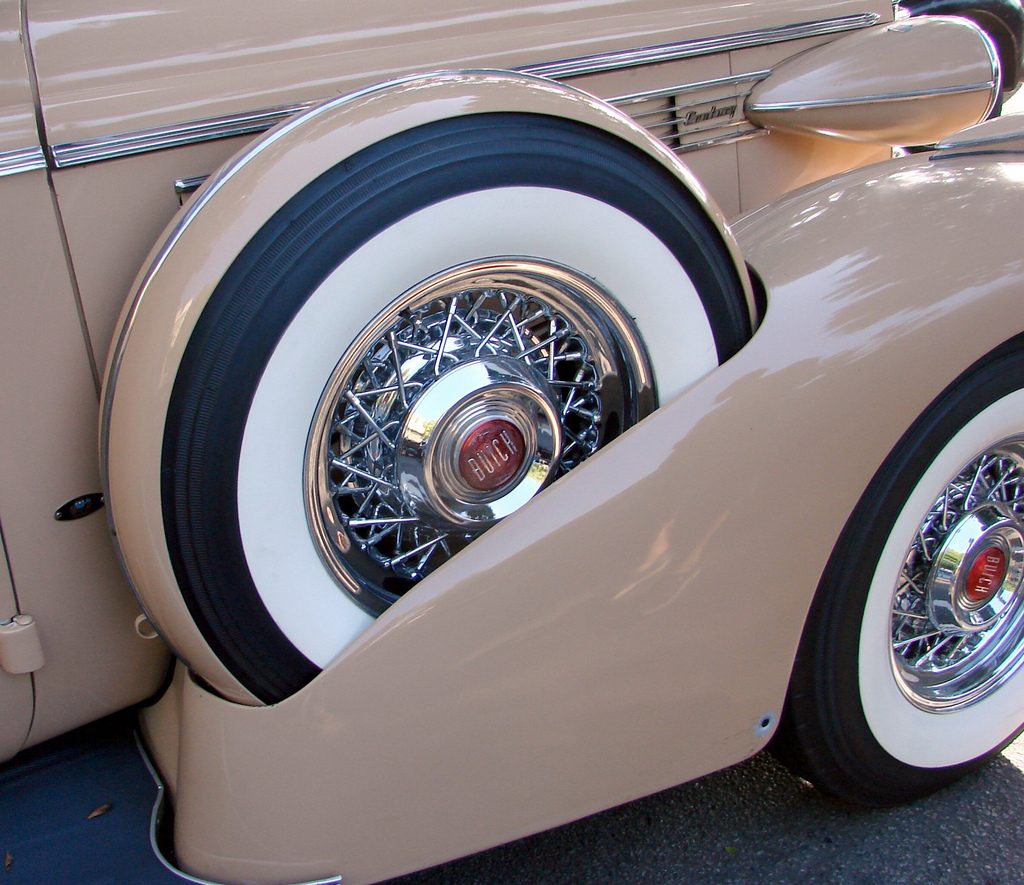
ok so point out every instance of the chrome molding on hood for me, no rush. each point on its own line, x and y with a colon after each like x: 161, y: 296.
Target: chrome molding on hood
x: 23, y: 160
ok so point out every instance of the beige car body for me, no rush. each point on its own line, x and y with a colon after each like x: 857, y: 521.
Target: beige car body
x: 669, y: 649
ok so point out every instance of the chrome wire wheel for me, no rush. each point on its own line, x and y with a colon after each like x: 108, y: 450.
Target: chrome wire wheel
x: 459, y: 402
x: 957, y: 623
x: 910, y: 672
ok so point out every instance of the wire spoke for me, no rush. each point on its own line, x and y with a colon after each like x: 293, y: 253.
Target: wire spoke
x: 361, y: 447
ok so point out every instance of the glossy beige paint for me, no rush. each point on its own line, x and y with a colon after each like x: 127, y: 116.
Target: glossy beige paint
x: 882, y: 84
x: 770, y: 166
x: 114, y: 212
x: 714, y: 167
x: 484, y: 706
x: 228, y: 212
x: 15, y: 690
x: 65, y: 574
x: 186, y: 62
x: 993, y: 136
x: 17, y: 115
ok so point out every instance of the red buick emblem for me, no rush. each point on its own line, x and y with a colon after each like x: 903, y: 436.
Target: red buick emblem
x: 491, y: 455
x: 986, y: 575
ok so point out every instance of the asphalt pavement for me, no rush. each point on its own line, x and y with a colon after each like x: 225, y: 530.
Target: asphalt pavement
x: 755, y: 822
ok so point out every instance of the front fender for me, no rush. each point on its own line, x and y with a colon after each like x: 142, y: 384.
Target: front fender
x: 635, y: 625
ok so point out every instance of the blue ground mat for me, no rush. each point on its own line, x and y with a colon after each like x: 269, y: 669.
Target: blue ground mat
x: 77, y: 810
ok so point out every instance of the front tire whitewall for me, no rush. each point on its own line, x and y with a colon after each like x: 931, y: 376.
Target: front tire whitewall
x: 578, y: 231
x: 872, y: 716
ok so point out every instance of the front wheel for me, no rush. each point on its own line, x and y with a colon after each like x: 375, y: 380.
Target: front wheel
x: 911, y: 669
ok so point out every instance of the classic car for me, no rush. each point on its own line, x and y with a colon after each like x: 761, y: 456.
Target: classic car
x: 505, y: 411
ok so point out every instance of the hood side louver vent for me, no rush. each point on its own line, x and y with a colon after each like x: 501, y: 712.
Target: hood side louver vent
x: 695, y: 115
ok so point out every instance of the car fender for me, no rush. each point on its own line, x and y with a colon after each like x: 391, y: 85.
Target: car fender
x: 635, y: 625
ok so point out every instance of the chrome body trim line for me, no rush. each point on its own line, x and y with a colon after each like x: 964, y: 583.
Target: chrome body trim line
x: 730, y: 138
x: 997, y: 65
x: 996, y: 141
x: 232, y: 125
x: 188, y: 185
x: 630, y: 58
x: 146, y: 140
x: 870, y: 99
x: 670, y: 91
x: 22, y: 160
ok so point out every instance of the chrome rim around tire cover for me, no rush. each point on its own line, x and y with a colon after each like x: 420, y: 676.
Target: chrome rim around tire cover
x: 957, y: 621
x: 460, y: 401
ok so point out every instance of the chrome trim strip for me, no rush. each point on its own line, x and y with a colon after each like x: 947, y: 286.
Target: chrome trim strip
x: 998, y: 141
x: 143, y: 141
x: 869, y: 99
x: 720, y: 139
x: 993, y: 58
x: 231, y: 125
x: 670, y: 91
x: 22, y: 160
x: 610, y: 61
x: 185, y: 186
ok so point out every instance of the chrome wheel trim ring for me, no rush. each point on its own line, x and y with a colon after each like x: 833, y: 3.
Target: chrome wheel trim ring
x: 553, y: 354
x: 951, y: 649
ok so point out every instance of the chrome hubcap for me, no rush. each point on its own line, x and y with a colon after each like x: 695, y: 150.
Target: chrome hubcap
x: 957, y: 616
x: 478, y: 443
x: 455, y: 406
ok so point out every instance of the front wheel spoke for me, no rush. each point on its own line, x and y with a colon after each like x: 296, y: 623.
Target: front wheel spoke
x: 342, y: 459
x: 466, y: 327
x: 384, y: 520
x: 374, y: 538
x: 417, y: 348
x: 371, y: 477
x: 376, y: 391
x: 438, y: 545
x: 398, y: 560
x: 580, y: 409
x: 589, y: 386
x: 498, y: 323
x: 910, y: 582
x: 921, y: 637
x: 350, y: 491
x: 551, y: 339
x: 443, y: 344
x: 924, y: 545
x: 982, y: 466
x: 396, y: 361
x: 945, y: 510
x: 935, y: 649
x: 910, y: 615
x: 368, y: 418
x: 998, y: 491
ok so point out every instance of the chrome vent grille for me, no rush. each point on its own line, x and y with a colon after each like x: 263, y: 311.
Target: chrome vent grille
x: 695, y: 115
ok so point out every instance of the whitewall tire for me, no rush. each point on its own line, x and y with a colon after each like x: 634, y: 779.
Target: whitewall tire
x: 911, y: 669
x: 526, y: 285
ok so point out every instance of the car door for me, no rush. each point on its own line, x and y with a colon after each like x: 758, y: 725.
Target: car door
x: 15, y: 688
